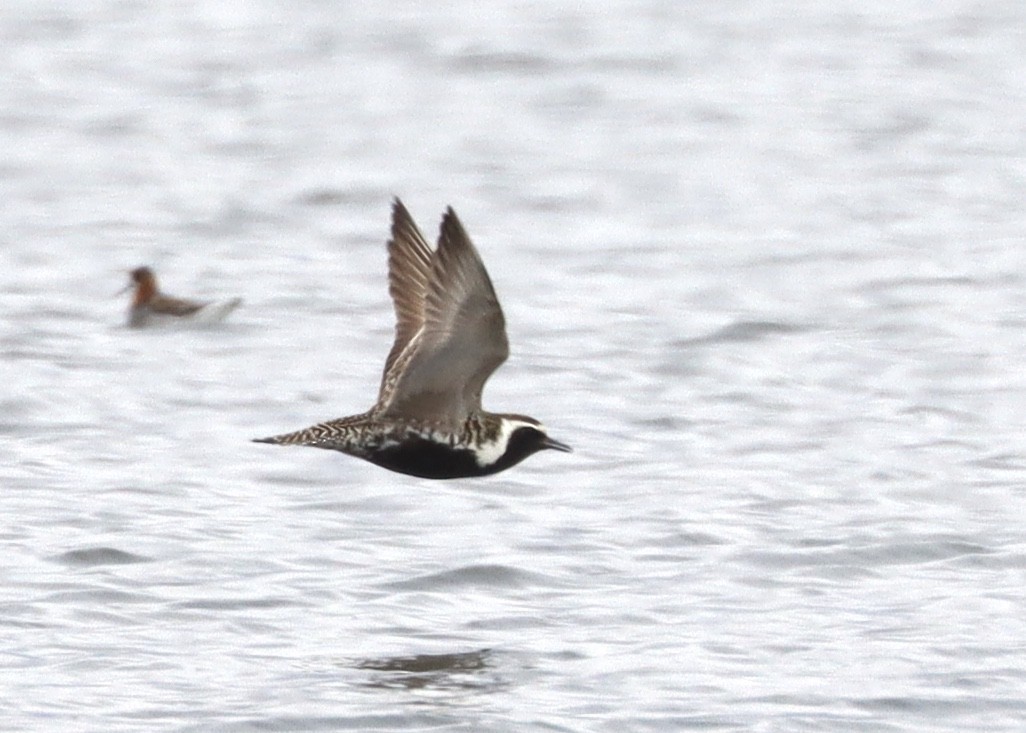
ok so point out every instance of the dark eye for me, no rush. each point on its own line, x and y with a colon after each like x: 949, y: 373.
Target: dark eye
x: 526, y: 436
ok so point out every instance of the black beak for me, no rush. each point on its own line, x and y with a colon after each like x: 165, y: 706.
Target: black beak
x: 556, y: 445
x: 128, y: 287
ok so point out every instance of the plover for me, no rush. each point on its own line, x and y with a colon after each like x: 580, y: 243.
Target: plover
x: 151, y: 307
x: 450, y: 335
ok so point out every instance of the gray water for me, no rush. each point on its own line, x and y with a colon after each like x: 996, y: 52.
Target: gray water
x: 762, y: 265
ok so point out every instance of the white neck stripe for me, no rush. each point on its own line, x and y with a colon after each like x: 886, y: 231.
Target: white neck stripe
x: 489, y: 453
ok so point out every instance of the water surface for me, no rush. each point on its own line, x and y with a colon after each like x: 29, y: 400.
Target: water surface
x: 762, y: 266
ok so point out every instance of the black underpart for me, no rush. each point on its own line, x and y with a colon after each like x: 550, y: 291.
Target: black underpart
x: 424, y: 458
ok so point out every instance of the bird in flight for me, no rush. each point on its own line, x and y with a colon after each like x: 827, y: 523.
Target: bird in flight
x: 450, y: 336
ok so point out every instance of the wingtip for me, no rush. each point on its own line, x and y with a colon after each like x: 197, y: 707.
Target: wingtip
x: 401, y: 217
x: 452, y: 227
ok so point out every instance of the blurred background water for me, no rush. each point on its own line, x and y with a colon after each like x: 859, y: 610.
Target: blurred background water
x: 762, y: 266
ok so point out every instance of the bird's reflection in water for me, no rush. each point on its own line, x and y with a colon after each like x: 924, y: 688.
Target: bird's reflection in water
x: 461, y: 670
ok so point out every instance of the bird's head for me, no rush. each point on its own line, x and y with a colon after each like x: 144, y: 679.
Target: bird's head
x: 516, y: 438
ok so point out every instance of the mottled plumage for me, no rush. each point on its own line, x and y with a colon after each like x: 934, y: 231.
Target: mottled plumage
x: 450, y: 336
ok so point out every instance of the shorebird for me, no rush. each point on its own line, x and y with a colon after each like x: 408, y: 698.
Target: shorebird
x: 151, y: 307
x: 450, y: 336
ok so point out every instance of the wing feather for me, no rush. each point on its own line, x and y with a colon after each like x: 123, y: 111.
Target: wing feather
x: 175, y: 306
x: 462, y: 340
x: 409, y: 270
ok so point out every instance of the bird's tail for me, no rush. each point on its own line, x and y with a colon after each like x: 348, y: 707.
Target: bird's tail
x: 297, y: 438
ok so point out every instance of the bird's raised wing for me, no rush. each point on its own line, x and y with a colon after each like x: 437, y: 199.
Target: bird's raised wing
x: 439, y: 375
x: 409, y: 269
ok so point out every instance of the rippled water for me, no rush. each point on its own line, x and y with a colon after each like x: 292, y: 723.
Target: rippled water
x: 762, y: 265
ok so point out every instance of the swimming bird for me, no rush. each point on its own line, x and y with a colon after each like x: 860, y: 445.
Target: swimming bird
x: 450, y: 336
x: 151, y: 307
